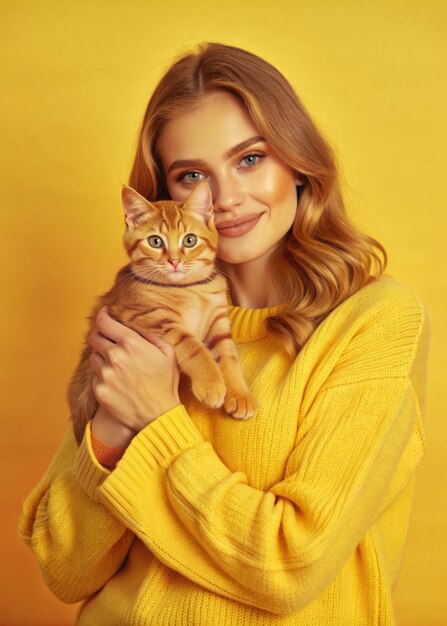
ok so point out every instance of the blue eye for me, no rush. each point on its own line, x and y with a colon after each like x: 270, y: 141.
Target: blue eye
x: 249, y: 160
x: 252, y: 159
x: 194, y: 177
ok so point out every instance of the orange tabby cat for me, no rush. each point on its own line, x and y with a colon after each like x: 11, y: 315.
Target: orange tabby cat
x: 171, y: 288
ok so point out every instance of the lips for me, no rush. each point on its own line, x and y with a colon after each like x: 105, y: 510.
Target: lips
x: 237, y: 221
x: 238, y: 227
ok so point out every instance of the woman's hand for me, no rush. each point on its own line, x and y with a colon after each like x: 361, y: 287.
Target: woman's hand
x: 135, y: 379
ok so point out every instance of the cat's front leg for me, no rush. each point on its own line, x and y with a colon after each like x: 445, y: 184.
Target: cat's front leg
x: 239, y: 401
x: 197, y: 362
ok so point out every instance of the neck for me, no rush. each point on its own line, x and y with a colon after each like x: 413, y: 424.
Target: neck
x: 251, y: 286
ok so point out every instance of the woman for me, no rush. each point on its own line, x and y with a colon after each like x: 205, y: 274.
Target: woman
x: 171, y: 515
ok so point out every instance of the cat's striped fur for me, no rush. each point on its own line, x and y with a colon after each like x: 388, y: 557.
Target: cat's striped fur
x: 186, y: 307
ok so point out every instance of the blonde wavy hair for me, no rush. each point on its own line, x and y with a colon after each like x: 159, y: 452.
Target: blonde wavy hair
x: 324, y: 258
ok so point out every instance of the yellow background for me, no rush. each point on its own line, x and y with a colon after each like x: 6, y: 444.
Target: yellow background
x: 75, y: 80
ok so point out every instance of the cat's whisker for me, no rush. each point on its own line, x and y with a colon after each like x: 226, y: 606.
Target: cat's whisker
x: 149, y: 274
x: 150, y: 271
x: 221, y: 272
x: 132, y: 301
x: 216, y: 270
x: 123, y: 279
x: 203, y: 274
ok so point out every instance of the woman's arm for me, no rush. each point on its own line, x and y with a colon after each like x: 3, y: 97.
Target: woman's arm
x: 61, y: 519
x: 77, y: 541
x: 359, y: 443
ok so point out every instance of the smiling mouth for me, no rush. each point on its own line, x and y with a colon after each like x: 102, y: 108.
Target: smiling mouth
x: 237, y: 222
x: 239, y: 227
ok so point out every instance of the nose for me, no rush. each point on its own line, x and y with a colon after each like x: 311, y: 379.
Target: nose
x: 174, y: 262
x: 226, y: 195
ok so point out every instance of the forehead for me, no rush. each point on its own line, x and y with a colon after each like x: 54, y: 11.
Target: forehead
x: 219, y: 122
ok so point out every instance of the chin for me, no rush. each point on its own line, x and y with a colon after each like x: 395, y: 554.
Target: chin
x: 175, y: 277
x: 238, y: 256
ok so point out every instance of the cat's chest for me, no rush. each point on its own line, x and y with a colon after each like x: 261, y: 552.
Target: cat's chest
x: 196, y: 317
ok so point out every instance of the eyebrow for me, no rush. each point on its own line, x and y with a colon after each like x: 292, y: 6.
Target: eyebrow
x: 231, y: 152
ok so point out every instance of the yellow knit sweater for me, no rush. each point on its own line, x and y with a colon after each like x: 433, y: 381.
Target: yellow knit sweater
x: 296, y: 516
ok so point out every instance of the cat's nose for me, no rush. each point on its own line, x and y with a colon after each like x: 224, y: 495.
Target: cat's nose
x: 174, y: 262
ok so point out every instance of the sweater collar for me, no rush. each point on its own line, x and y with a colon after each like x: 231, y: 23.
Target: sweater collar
x: 248, y: 324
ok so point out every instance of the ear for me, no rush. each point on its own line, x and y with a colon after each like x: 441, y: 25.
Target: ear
x: 136, y: 208
x: 299, y: 180
x: 200, y: 201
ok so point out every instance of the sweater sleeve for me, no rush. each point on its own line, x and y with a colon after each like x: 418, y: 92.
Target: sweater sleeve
x: 60, y: 522
x: 277, y: 550
x: 106, y: 455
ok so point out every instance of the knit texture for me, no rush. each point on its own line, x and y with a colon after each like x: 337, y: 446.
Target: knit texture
x: 298, y: 515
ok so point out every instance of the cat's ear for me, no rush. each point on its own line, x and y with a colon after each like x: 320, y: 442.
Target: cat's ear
x: 200, y: 201
x: 136, y: 208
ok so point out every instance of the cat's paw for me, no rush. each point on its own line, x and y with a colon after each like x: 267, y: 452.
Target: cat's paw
x: 240, y: 405
x: 212, y: 393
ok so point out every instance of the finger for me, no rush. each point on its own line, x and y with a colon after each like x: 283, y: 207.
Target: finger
x: 157, y: 341
x: 95, y: 382
x: 97, y: 388
x: 110, y: 328
x: 100, y: 344
x: 96, y: 363
x: 115, y: 331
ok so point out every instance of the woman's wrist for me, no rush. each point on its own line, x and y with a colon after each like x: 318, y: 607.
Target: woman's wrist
x: 155, y: 411
x: 106, y: 455
x: 111, y: 431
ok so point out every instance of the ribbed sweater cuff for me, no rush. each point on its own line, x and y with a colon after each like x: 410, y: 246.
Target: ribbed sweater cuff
x: 155, y: 447
x: 164, y: 439
x: 88, y: 471
x: 146, y: 460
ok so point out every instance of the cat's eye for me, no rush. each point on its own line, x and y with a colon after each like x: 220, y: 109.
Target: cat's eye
x: 189, y: 241
x: 155, y: 241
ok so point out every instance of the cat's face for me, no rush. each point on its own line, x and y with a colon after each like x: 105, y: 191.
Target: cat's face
x: 171, y: 242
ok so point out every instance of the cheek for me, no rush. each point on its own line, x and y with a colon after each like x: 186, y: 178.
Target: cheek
x: 177, y: 192
x: 275, y: 186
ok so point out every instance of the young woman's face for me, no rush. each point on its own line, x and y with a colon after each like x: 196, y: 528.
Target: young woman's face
x: 218, y: 142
